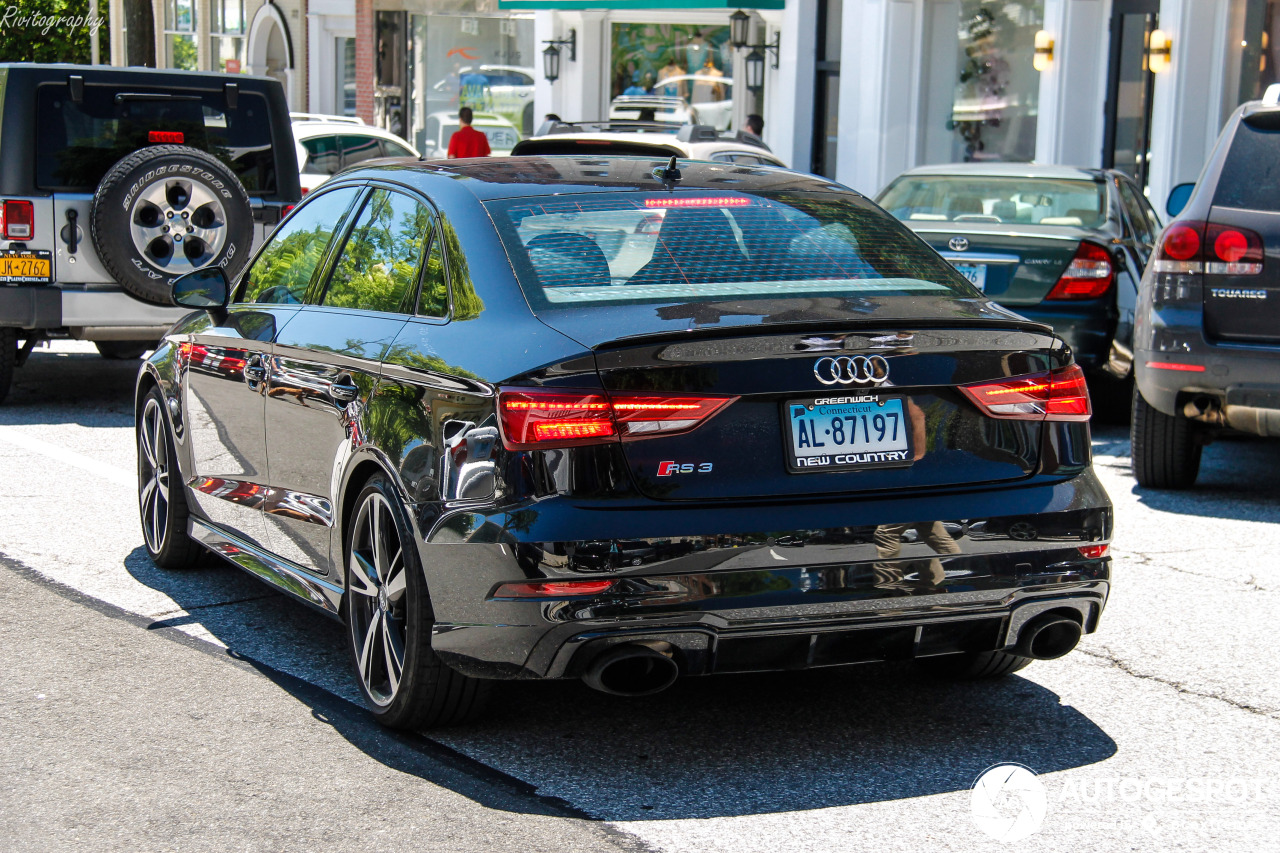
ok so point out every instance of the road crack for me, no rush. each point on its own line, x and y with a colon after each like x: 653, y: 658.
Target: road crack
x: 1178, y: 686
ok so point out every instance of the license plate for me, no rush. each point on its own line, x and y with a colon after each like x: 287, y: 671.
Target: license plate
x: 976, y: 273
x: 851, y: 431
x: 24, y: 266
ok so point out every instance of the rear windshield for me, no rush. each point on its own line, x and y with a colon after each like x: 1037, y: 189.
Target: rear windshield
x: 689, y: 246
x: 977, y: 198
x: 1251, y: 170
x: 76, y: 143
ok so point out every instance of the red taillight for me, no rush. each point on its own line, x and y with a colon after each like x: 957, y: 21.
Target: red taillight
x: 1196, y: 247
x: 165, y: 137
x: 551, y: 589
x: 1088, y: 276
x: 19, y: 220
x: 1172, y: 365
x: 1060, y: 395
x: 544, y: 418
x: 1093, y: 552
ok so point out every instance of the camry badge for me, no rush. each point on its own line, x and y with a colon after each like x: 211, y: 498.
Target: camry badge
x: 846, y: 370
x: 958, y: 244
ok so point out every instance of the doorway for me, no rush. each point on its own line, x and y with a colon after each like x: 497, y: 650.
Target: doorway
x: 1127, y: 130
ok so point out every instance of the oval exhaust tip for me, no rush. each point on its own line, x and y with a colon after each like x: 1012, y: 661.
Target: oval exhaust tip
x: 631, y: 670
x: 1049, y: 637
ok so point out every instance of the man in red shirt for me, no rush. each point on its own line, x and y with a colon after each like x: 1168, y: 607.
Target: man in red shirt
x: 466, y: 141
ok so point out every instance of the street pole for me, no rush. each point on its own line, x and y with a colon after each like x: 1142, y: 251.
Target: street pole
x: 93, y: 31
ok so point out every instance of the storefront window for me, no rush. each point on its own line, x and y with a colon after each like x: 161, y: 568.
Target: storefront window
x: 346, y: 50
x: 685, y: 67
x: 995, y: 104
x: 469, y: 54
x: 179, y: 34
x: 1259, y: 49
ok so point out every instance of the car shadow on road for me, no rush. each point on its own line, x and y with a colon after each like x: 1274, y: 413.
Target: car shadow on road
x: 709, y: 747
x: 72, y: 387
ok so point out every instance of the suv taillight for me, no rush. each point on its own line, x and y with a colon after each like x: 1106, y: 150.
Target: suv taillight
x: 1088, y: 276
x: 1200, y: 247
x: 19, y: 220
x: 1059, y: 395
x: 547, y: 418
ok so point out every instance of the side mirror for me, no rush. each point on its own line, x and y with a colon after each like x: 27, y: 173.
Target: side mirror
x: 1178, y: 198
x: 205, y: 288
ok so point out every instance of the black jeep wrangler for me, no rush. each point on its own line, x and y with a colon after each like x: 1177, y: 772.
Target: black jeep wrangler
x: 115, y: 181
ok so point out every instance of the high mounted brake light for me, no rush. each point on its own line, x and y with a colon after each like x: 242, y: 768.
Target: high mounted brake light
x: 699, y: 201
x: 18, y: 219
x: 547, y: 418
x: 1059, y: 395
x: 165, y: 137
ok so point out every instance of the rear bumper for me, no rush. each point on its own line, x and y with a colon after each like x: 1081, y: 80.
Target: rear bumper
x: 84, y: 310
x: 811, y: 597
x: 1087, y: 327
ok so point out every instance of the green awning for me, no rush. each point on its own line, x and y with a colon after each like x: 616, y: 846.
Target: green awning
x: 639, y: 4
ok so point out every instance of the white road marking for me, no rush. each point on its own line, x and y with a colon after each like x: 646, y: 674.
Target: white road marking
x: 116, y: 475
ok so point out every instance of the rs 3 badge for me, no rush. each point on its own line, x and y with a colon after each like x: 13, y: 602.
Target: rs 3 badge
x: 666, y: 469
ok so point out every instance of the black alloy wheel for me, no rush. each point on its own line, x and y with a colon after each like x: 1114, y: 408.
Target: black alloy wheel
x: 162, y: 501
x: 389, y: 621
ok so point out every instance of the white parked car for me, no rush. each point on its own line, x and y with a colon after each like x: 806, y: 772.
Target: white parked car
x: 328, y: 144
x: 502, y: 134
x: 620, y: 137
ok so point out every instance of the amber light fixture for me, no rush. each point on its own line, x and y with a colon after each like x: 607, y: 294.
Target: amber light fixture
x: 1160, y: 50
x: 1043, y: 56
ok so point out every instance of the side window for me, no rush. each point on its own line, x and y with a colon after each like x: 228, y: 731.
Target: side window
x: 322, y: 155
x: 393, y: 149
x: 356, y: 149
x: 378, y: 267
x: 1137, y: 214
x: 289, y: 260
x: 434, y: 298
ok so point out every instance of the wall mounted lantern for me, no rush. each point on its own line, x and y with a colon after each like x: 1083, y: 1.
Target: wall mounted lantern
x: 1043, y: 57
x: 739, y: 24
x: 551, y: 55
x: 1159, y: 51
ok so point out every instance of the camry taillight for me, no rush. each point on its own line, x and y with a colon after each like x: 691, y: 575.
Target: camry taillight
x: 1088, y: 276
x: 545, y: 418
x: 18, y: 220
x: 1059, y: 395
x: 1196, y: 247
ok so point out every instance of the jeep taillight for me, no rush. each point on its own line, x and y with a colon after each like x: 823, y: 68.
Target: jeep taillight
x: 547, y: 418
x: 19, y: 220
x: 1200, y: 247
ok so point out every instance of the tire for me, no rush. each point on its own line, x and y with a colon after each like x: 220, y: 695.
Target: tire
x: 123, y: 350
x: 143, y: 201
x: 162, y: 499
x: 1165, y: 450
x: 973, y: 666
x: 387, y: 608
x: 8, y: 359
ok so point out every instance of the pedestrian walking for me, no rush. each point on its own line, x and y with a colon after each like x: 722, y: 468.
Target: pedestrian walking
x: 466, y: 141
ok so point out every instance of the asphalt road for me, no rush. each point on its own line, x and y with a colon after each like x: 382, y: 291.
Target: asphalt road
x: 146, y: 710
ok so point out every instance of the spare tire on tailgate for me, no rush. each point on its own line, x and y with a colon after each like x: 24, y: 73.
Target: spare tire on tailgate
x: 167, y: 210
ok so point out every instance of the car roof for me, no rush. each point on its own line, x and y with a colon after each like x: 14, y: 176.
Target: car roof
x: 515, y: 177
x: 1006, y: 170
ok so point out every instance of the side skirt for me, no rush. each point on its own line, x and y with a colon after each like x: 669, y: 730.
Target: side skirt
x: 280, y: 573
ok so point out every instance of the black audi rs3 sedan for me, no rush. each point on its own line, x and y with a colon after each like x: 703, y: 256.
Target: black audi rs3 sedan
x: 623, y: 420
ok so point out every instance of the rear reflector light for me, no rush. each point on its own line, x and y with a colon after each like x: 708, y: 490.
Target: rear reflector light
x: 1169, y: 365
x: 698, y: 202
x: 1060, y: 395
x: 19, y: 220
x: 1093, y: 552
x: 1088, y: 276
x: 1195, y: 247
x: 165, y: 137
x: 551, y: 589
x: 544, y: 418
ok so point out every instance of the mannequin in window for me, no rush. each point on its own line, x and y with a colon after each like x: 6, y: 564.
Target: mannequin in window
x: 671, y: 69
x: 706, y: 87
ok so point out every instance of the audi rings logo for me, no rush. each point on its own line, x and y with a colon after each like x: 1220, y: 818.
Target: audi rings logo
x: 848, y: 369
